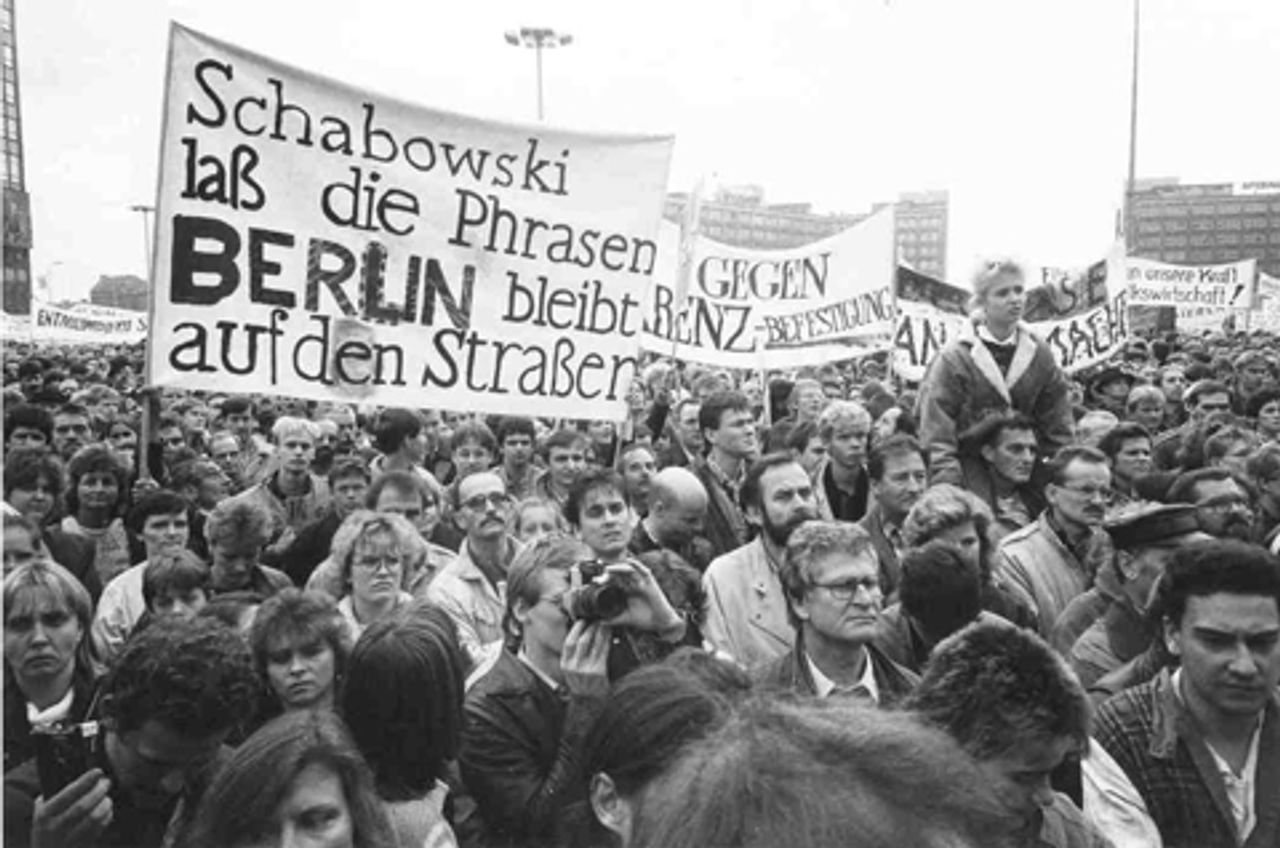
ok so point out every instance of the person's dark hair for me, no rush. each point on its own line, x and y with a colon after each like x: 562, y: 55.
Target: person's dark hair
x: 822, y: 774
x: 1217, y: 566
x: 799, y: 436
x: 392, y: 427
x: 348, y: 467
x: 191, y: 473
x: 236, y: 405
x: 228, y: 608
x: 1125, y: 431
x: 715, y: 406
x: 404, y: 482
x: 30, y: 417
x: 1265, y: 395
x: 173, y: 574
x: 1184, y: 486
x: 995, y: 687
x: 988, y: 430
x: 650, y: 717
x: 69, y: 408
x: 1221, y: 442
x: 193, y: 677
x: 679, y: 581
x: 410, y: 731
x: 592, y: 479
x: 1057, y: 464
x: 714, y: 670
x: 893, y: 446
x: 749, y: 494
x: 940, y: 589
x: 240, y: 805
x: 565, y: 437
x: 1264, y: 465
x: 474, y: 431
x: 515, y: 425
x: 159, y: 502
x: 239, y: 525
x: 295, y: 616
x: 25, y: 467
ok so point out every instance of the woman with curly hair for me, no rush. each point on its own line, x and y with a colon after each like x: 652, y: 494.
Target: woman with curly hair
x: 300, y: 646
x: 97, y: 494
x: 375, y: 553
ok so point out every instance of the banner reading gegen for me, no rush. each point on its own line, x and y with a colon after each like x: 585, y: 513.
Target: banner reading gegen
x: 323, y: 242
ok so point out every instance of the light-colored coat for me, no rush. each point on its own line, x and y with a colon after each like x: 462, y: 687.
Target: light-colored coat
x: 747, y: 607
x: 1040, y: 567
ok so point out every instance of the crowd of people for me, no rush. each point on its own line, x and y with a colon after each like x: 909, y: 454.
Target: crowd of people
x: 1007, y: 607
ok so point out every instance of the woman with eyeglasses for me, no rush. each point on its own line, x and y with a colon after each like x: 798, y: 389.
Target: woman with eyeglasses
x: 375, y: 552
x: 996, y: 364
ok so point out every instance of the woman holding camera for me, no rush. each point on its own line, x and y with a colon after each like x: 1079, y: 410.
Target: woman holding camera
x: 48, y: 668
x: 527, y: 714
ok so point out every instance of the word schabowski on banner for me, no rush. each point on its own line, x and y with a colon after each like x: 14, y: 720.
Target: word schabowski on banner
x: 323, y: 242
x: 745, y: 308
x: 1226, y: 286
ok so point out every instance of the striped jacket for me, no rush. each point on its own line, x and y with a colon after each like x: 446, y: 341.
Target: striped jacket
x: 1155, y: 740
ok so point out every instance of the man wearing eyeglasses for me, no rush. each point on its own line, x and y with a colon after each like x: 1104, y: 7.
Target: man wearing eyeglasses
x: 831, y: 576
x: 1054, y: 559
x: 472, y: 588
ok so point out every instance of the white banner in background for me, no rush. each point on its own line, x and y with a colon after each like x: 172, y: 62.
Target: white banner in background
x: 829, y: 300
x: 1226, y: 286
x: 319, y: 241
x: 53, y: 324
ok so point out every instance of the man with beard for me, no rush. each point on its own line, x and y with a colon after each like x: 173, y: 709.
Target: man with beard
x: 997, y: 459
x: 898, y: 476
x: 1200, y: 743
x: 832, y: 582
x: 1222, y: 503
x: 166, y: 707
x: 747, y: 614
x: 472, y: 588
x: 1055, y: 559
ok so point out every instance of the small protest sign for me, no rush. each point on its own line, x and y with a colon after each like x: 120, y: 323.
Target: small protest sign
x: 1229, y: 285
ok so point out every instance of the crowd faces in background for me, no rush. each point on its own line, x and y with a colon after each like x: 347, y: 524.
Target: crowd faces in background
x: 380, y: 569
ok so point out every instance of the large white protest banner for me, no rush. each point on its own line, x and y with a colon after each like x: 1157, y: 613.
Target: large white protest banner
x: 832, y: 299
x: 53, y: 324
x: 320, y: 241
x: 16, y: 328
x: 1227, y: 286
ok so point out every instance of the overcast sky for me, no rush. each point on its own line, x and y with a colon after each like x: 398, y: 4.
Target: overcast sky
x: 1018, y: 107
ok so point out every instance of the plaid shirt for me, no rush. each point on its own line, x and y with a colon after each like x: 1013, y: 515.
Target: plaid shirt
x: 1157, y: 743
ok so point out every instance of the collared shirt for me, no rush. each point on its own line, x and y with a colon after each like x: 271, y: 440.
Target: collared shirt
x: 475, y: 604
x: 53, y: 713
x: 985, y: 335
x: 1112, y: 804
x: 824, y: 686
x: 1240, y: 788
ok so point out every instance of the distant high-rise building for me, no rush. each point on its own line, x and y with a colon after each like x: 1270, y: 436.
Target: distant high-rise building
x: 739, y: 216
x: 17, y: 203
x: 1206, y: 223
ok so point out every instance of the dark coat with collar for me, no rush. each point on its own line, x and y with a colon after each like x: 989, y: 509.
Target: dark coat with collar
x: 890, y: 568
x: 790, y: 673
x: 1155, y: 740
x: 523, y: 752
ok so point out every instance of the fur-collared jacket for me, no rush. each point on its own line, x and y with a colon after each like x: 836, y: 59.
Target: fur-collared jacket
x: 964, y: 384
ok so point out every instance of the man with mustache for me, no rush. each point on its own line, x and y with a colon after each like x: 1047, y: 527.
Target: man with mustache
x: 1200, y: 742
x: 472, y: 588
x: 832, y: 579
x: 1055, y: 559
x: 746, y: 605
x: 1222, y: 504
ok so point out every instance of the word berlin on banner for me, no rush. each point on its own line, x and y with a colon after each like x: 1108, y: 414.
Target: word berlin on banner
x: 53, y: 324
x: 743, y: 308
x: 1226, y: 286
x: 319, y: 241
x: 1081, y: 314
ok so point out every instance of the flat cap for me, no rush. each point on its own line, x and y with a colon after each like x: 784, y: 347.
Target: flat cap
x: 1154, y: 524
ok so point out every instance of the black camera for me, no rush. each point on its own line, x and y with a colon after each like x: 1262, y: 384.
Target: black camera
x: 591, y: 601
x: 64, y: 752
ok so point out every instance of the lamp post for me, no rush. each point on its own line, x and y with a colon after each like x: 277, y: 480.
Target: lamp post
x: 146, y: 232
x: 1133, y: 131
x: 539, y: 38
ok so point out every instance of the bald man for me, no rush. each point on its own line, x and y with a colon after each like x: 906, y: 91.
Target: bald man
x: 677, y: 508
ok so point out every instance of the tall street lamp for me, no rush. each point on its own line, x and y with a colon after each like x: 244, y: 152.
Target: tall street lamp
x: 146, y: 232
x: 539, y: 38
x: 1133, y: 129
